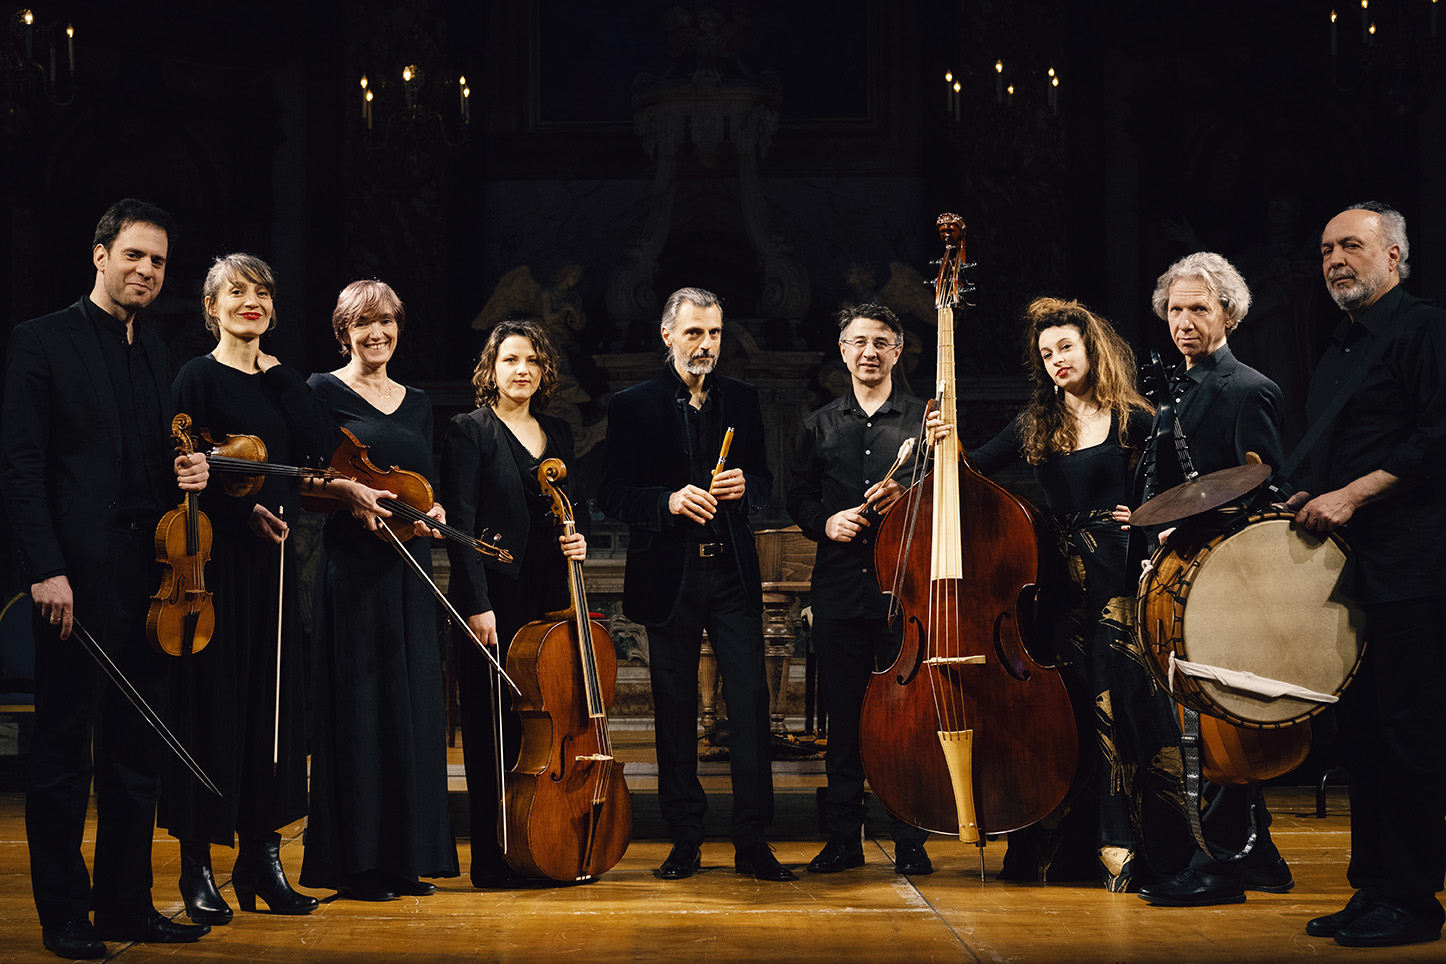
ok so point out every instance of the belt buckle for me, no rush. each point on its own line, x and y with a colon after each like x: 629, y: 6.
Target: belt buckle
x: 707, y: 550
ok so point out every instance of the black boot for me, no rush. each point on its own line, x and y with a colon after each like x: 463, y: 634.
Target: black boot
x: 204, y: 903
x: 258, y: 871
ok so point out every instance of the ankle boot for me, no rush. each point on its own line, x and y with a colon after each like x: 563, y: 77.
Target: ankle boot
x: 204, y: 903
x: 258, y: 871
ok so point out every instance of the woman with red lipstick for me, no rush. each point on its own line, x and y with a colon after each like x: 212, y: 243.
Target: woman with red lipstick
x: 489, y: 478
x: 224, y: 698
x: 379, y: 818
x: 1082, y: 430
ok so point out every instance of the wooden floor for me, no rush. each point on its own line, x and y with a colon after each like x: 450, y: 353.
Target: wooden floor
x: 863, y: 915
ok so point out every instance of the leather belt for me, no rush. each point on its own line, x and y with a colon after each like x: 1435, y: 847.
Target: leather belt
x: 707, y: 550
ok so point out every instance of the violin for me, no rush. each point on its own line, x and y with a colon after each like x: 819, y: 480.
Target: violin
x: 414, y: 495
x: 965, y: 733
x: 182, y: 618
x: 567, y: 814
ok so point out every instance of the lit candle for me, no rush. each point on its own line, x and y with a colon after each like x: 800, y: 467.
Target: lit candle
x: 1333, y: 33
x: 1433, y: 19
x: 407, y: 74
x: 948, y: 91
x: 368, y: 109
x: 998, y: 81
x: 1372, y: 32
x: 1365, y: 21
x: 1054, y: 93
x: 956, y: 100
x: 29, y: 31
x: 462, y: 94
x: 365, y: 97
x: 1010, y: 91
x: 70, y: 46
x: 466, y: 105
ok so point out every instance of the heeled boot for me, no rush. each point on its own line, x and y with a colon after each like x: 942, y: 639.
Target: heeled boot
x: 204, y: 903
x: 258, y: 871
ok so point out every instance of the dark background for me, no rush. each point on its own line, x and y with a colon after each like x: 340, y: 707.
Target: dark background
x: 1226, y: 125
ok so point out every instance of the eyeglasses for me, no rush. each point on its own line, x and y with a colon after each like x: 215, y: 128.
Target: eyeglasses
x: 879, y: 344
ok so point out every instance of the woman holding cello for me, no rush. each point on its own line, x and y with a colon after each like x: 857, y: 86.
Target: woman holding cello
x: 489, y: 477
x: 240, y: 713
x: 1082, y: 430
x: 379, y: 818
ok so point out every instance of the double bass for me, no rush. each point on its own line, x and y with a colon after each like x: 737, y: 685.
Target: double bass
x: 966, y: 732
x: 567, y: 814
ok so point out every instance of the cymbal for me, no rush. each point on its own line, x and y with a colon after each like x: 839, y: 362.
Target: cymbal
x: 1200, y: 494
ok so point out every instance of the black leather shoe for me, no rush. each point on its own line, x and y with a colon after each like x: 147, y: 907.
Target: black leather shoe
x: 258, y: 873
x: 74, y: 940
x: 1195, y: 888
x: 1272, y: 878
x: 497, y: 877
x: 1355, y: 909
x: 911, y: 860
x: 1387, y: 926
x: 683, y: 861
x: 410, y: 886
x: 757, y: 861
x: 366, y: 886
x: 152, y: 928
x: 204, y: 903
x: 837, y: 855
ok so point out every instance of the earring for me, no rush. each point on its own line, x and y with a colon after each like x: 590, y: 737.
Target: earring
x: 1059, y: 391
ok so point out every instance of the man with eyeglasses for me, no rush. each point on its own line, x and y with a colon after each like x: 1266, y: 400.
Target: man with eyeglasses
x: 846, y: 450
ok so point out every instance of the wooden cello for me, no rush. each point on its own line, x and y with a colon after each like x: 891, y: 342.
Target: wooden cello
x: 567, y: 812
x: 965, y: 733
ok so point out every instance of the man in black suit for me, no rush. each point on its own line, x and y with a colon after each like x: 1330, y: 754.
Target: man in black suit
x: 692, y: 565
x: 1225, y: 410
x: 87, y: 472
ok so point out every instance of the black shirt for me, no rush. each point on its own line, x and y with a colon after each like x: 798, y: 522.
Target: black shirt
x: 1395, y: 421
x: 146, y: 455
x: 1088, y: 479
x: 705, y: 440
x: 841, y: 453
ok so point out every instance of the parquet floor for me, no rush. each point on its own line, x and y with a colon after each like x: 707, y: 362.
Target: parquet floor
x: 864, y: 915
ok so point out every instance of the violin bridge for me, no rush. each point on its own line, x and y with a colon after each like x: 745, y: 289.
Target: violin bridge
x: 954, y: 660
x: 592, y: 758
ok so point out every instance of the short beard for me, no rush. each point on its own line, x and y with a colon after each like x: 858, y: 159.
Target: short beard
x: 1359, y: 294
x: 699, y: 364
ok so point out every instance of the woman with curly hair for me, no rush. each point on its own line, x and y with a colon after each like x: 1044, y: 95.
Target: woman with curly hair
x: 1082, y: 430
x: 489, y: 478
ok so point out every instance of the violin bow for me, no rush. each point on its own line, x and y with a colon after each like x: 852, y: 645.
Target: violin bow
x: 117, y: 677
x: 280, y: 594
x: 396, y: 544
x: 904, y: 449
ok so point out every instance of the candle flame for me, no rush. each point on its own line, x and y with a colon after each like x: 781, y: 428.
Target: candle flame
x: 1333, y: 16
x: 1373, y: 28
x: 1054, y: 82
x: 28, y: 16
x: 1365, y: 4
x: 70, y: 31
x: 369, y: 97
x: 956, y: 86
x: 364, y: 82
x: 406, y: 73
x: 466, y: 91
x: 462, y: 80
x: 1010, y: 88
x: 999, y: 66
x: 948, y: 76
x: 1051, y: 71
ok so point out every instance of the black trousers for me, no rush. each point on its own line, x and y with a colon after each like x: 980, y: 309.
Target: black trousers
x: 75, y: 704
x: 712, y: 598
x: 848, y: 652
x: 1226, y: 822
x: 1391, y: 721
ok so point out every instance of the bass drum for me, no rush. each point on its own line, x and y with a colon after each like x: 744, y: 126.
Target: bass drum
x: 1258, y: 597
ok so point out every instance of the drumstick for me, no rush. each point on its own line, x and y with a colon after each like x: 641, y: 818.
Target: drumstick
x: 723, y: 452
x: 904, y: 450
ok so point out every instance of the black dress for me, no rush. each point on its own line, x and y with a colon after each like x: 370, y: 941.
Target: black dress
x: 223, y: 702
x: 379, y: 752
x: 489, y: 479
x: 1130, y: 776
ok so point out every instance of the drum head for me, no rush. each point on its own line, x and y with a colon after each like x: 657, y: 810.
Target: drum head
x: 1263, y: 600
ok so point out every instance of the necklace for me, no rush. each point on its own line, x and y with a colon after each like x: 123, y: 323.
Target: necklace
x: 376, y: 391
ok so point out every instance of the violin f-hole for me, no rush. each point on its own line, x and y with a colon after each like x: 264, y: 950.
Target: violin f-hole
x: 1013, y: 664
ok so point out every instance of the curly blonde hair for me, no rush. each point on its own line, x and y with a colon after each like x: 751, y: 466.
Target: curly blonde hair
x: 1045, y: 424
x: 484, y: 376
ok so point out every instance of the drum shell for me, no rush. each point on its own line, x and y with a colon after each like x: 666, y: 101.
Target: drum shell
x: 1266, y: 602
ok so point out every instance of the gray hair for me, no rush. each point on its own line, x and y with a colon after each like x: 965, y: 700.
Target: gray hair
x: 228, y: 267
x: 1219, y: 277
x: 698, y: 297
x: 1393, y: 229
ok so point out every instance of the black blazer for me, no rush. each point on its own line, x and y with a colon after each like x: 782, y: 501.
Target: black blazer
x: 481, y: 486
x: 647, y: 459
x: 1233, y: 410
x: 60, y: 447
